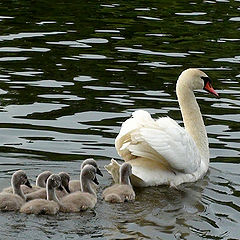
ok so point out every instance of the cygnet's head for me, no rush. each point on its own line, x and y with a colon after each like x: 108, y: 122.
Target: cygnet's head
x: 126, y: 169
x: 125, y: 172
x: 42, y: 178
x: 89, y: 172
x: 54, y: 181
x: 92, y: 162
x: 65, y: 178
x: 19, y: 178
x: 195, y: 79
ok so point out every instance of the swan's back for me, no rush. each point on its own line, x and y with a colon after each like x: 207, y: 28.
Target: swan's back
x: 40, y: 206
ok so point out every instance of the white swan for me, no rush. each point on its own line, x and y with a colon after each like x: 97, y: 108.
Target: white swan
x: 162, y: 152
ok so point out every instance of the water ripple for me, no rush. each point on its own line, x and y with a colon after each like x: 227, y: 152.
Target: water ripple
x: 149, y: 52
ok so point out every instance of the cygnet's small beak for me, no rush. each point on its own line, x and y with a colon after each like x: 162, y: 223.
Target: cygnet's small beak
x: 60, y: 188
x: 99, y: 172
x: 67, y: 188
x: 95, y: 180
x: 27, y: 183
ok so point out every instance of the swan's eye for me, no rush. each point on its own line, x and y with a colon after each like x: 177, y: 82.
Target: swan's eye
x: 206, y: 80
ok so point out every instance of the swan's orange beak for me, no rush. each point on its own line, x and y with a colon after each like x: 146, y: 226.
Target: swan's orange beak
x: 208, y: 87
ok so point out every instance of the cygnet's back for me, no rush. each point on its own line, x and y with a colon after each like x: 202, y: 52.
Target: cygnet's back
x: 40, y: 183
x: 49, y: 206
x: 13, y: 201
x: 123, y: 191
x: 42, y: 193
x: 74, y: 185
x: 84, y: 199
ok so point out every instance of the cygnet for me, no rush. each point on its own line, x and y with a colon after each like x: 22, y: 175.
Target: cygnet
x: 123, y: 191
x: 42, y: 193
x: 49, y: 206
x: 74, y: 185
x: 13, y: 201
x: 84, y: 199
x: 40, y: 183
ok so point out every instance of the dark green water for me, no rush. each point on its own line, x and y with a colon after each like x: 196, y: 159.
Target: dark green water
x: 72, y: 71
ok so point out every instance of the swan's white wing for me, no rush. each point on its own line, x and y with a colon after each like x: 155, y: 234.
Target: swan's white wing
x: 162, y: 140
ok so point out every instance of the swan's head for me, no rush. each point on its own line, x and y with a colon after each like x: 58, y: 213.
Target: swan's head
x: 65, y: 178
x: 92, y: 162
x: 89, y: 173
x: 19, y: 178
x: 196, y: 79
x: 54, y: 181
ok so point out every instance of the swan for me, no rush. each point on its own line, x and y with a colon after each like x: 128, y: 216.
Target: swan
x: 123, y: 191
x: 62, y: 191
x: 74, y: 185
x: 40, y: 183
x: 84, y: 199
x: 161, y: 151
x: 13, y: 201
x: 49, y: 206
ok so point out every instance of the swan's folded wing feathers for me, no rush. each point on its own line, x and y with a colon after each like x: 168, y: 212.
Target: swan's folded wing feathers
x: 174, y: 144
x: 139, y: 119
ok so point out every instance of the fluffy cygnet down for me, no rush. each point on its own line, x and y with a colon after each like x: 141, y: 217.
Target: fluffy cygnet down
x: 49, y: 206
x: 84, y: 199
x: 13, y: 201
x: 123, y: 191
x: 42, y: 193
x: 74, y: 185
x: 40, y: 183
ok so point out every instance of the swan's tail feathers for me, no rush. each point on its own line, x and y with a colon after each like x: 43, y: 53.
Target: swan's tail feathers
x: 142, y: 117
x: 128, y: 133
x: 113, y: 169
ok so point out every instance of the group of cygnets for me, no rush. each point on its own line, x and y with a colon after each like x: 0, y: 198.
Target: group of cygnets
x: 56, y: 192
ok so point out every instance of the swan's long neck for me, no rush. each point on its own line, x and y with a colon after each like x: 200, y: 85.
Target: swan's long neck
x: 17, y: 189
x: 86, y: 185
x: 192, y: 119
x: 51, y: 195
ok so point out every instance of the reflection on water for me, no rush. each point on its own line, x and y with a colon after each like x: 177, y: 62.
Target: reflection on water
x: 71, y: 73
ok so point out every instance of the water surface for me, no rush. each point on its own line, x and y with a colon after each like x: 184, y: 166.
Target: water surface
x: 72, y: 72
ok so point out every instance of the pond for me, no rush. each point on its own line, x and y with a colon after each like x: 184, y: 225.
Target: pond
x: 72, y: 71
